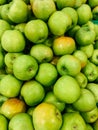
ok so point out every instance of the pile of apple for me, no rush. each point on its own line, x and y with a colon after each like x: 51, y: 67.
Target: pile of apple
x: 48, y: 65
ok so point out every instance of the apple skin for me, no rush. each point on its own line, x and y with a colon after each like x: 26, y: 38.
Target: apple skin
x: 66, y: 89
x: 94, y: 56
x: 47, y: 116
x: 24, y: 118
x: 68, y: 64
x: 92, y: 3
x: 73, y: 120
x: 95, y: 125
x: 32, y: 92
x: 15, y: 37
x: 89, y: 126
x: 3, y: 122
x: 28, y: 69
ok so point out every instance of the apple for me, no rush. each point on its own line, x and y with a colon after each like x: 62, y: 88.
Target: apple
x: 32, y: 92
x: 96, y: 31
x: 63, y: 45
x: 90, y: 116
x: 92, y: 3
x: 3, y: 122
x: 85, y: 36
x: 15, y: 37
x: 25, y: 67
x: 82, y: 80
x: 45, y: 53
x: 84, y: 14
x: 2, y: 60
x: 64, y: 3
x: 59, y: 23
x: 20, y: 27
x: 89, y: 126
x: 95, y: 12
x: 47, y: 74
x: 2, y: 2
x: 30, y: 110
x: 86, y: 102
x: 78, y: 3
x: 21, y: 121
x: 95, y: 125
x: 69, y: 108
x: 90, y: 71
x: 15, y: 14
x: 73, y: 120
x: 93, y: 58
x: 10, y: 57
x: 51, y: 98
x: 2, y: 99
x: 55, y: 60
x: 43, y: 9
x: 39, y: 31
x: 10, y: 86
x: 68, y: 64
x: 47, y: 116
x: 12, y: 106
x: 66, y: 89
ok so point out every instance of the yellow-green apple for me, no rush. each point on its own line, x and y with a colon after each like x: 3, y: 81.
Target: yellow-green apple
x: 51, y: 98
x: 89, y: 126
x: 84, y: 14
x: 73, y: 14
x: 30, y: 110
x: 25, y: 67
x: 66, y: 89
x: 63, y: 45
x: 39, y: 31
x: 95, y: 125
x: 12, y: 106
x: 73, y: 120
x: 13, y: 41
x: 47, y: 116
x: 64, y: 3
x: 15, y: 14
x: 32, y: 92
x: 90, y: 116
x: 21, y: 121
x: 10, y: 86
x: 93, y: 87
x: 47, y: 74
x: 4, y: 25
x: 85, y: 36
x: 92, y: 3
x: 94, y: 56
x: 78, y: 3
x: 10, y: 57
x: 86, y: 102
x: 42, y: 53
x: 43, y: 9
x: 20, y: 27
x: 2, y: 2
x: 59, y: 23
x: 68, y: 64
x: 88, y: 49
x: 90, y: 71
x: 95, y: 13
x: 3, y: 122
x: 81, y: 79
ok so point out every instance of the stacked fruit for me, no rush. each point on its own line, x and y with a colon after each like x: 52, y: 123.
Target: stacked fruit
x: 48, y: 65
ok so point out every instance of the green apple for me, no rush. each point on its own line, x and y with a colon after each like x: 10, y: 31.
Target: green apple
x: 47, y: 116
x: 10, y: 86
x: 63, y: 45
x: 4, y: 25
x: 86, y: 102
x: 88, y: 49
x: 89, y: 126
x: 78, y: 3
x: 59, y: 23
x: 82, y: 57
x: 43, y: 9
x: 47, y: 74
x: 66, y: 89
x: 90, y: 116
x: 84, y: 14
x: 73, y: 120
x: 95, y: 12
x: 25, y: 67
x: 10, y: 57
x: 39, y: 31
x: 51, y: 98
x: 90, y: 71
x: 94, y: 56
x: 15, y: 14
x: 30, y: 110
x: 20, y: 27
x: 2, y: 2
x: 81, y: 79
x: 32, y: 92
x: 92, y: 3
x: 85, y: 36
x: 2, y: 99
x: 95, y: 125
x: 12, y: 106
x: 45, y: 53
x: 93, y: 87
x: 69, y: 108
x: 3, y: 122
x: 73, y: 14
x: 21, y: 121
x: 13, y: 41
x: 64, y: 3
x: 68, y: 64
x: 96, y: 31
